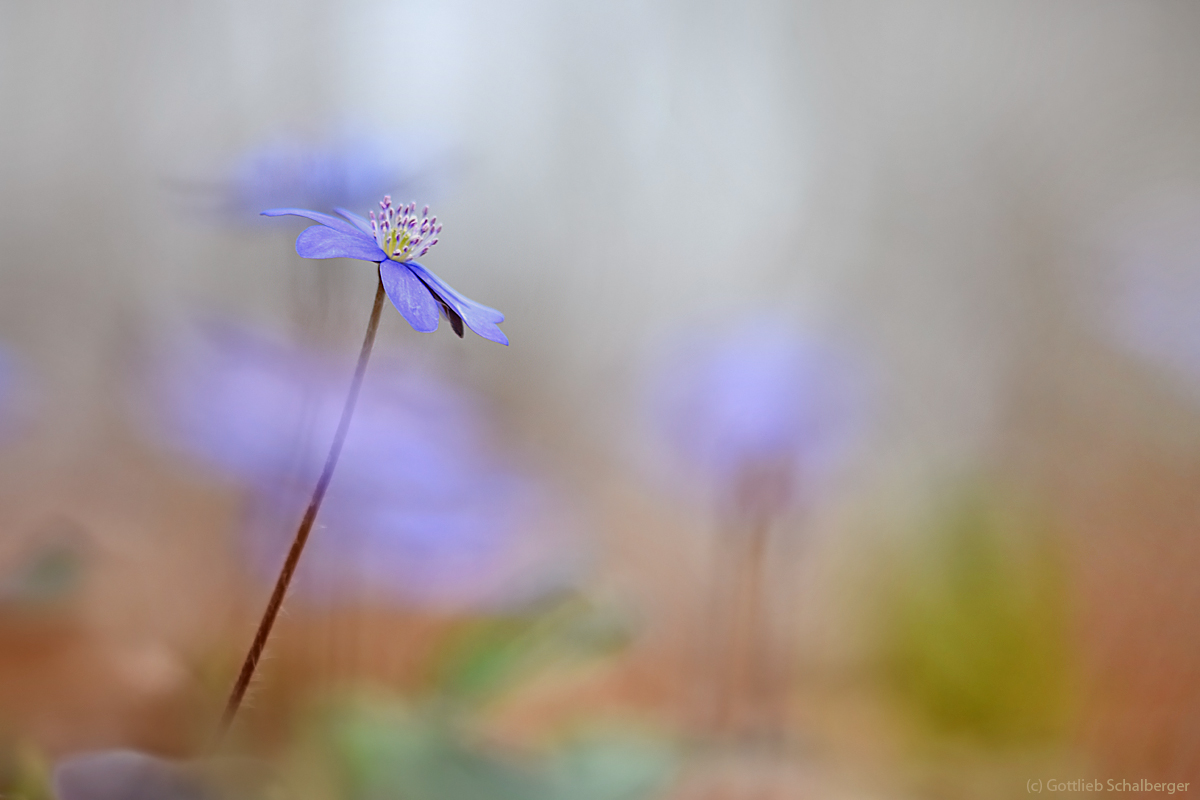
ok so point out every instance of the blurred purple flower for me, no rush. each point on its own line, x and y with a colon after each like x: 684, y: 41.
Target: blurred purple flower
x: 421, y: 510
x: 470, y: 543
x: 7, y: 385
x: 1154, y: 299
x: 126, y: 775
x: 392, y: 240
x: 343, y: 170
x: 756, y: 414
x: 12, y: 388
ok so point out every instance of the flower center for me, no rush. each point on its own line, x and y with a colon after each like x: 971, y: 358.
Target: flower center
x: 401, y: 233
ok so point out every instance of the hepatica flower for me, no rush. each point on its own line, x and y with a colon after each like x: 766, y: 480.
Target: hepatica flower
x: 423, y: 512
x: 1152, y: 295
x: 7, y: 389
x: 393, y: 239
x: 345, y: 170
x: 261, y: 410
x: 348, y: 168
x: 13, y: 391
x: 129, y: 775
x: 755, y: 415
x: 474, y: 538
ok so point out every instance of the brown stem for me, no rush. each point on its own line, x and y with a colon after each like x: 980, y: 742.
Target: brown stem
x: 310, y: 516
x: 719, y: 629
x: 756, y: 634
x: 739, y: 615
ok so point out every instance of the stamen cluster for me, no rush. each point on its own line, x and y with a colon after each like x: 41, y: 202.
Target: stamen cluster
x: 401, y: 233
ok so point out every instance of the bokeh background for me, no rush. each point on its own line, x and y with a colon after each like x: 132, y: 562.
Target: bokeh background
x: 848, y: 443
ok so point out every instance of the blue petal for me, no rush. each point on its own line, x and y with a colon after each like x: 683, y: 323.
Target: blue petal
x: 409, y: 295
x: 445, y: 290
x: 315, y: 216
x: 479, y: 318
x: 321, y: 242
x: 362, y: 223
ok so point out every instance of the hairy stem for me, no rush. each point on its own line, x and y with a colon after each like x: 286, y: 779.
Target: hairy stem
x: 306, y: 524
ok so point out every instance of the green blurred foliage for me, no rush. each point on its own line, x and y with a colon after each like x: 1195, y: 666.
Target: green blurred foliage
x: 50, y: 573
x: 977, y: 636
x: 385, y: 749
x: 426, y: 745
x: 487, y: 655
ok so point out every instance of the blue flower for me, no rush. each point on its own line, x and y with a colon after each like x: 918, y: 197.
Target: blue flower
x: 346, y: 170
x: 423, y: 510
x: 479, y: 541
x: 108, y: 774
x: 259, y: 409
x: 7, y: 385
x: 13, y: 388
x: 393, y: 240
x: 1150, y: 297
x: 758, y: 413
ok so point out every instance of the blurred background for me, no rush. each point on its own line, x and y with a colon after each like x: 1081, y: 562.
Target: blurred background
x: 847, y: 445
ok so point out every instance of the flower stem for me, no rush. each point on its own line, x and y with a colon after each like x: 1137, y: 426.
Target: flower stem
x: 306, y: 524
x: 741, y: 693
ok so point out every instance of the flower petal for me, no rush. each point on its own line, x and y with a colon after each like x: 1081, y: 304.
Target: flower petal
x: 315, y: 216
x: 321, y: 242
x: 445, y: 290
x: 409, y: 295
x: 362, y: 223
x: 479, y: 318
